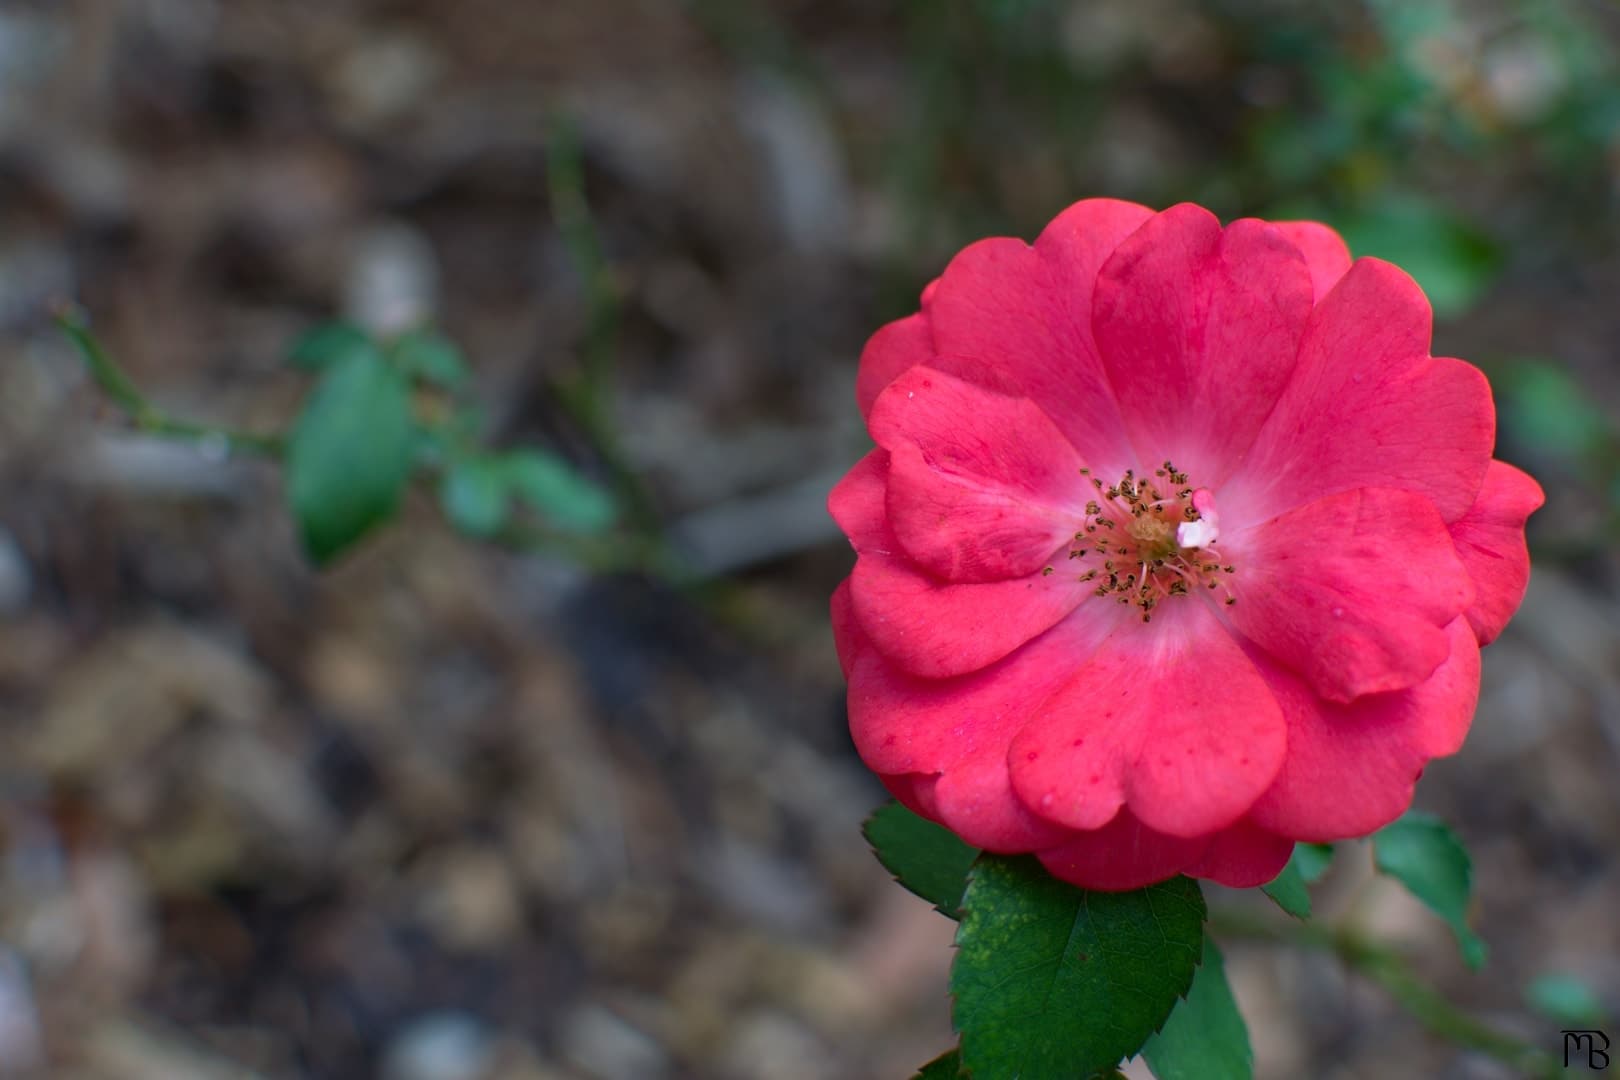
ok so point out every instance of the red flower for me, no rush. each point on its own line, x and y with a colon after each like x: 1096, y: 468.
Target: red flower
x: 1177, y: 546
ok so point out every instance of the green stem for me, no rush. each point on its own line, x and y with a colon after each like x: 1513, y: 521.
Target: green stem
x: 607, y: 554
x: 585, y: 396
x: 565, y: 186
x: 1389, y: 969
x: 146, y: 417
x: 640, y: 549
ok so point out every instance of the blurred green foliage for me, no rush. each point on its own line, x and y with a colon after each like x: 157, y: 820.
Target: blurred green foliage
x: 349, y: 454
x: 428, y: 355
x: 1453, y: 261
x: 1423, y: 854
x: 1543, y: 407
x: 1566, y: 1000
x: 383, y: 411
x: 1344, y: 107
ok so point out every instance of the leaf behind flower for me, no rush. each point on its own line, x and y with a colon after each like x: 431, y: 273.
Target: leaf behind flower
x: 1422, y: 853
x: 926, y: 858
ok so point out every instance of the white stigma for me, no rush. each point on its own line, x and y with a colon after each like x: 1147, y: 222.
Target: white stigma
x: 1206, y: 528
x: 1196, y: 534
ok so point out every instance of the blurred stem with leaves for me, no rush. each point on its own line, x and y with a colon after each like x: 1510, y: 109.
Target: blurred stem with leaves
x: 384, y: 412
x: 1391, y: 971
x: 362, y: 435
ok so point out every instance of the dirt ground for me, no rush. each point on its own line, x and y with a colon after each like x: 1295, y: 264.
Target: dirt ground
x: 450, y: 812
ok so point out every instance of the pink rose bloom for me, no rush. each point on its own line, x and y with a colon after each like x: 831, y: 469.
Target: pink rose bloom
x: 1177, y: 546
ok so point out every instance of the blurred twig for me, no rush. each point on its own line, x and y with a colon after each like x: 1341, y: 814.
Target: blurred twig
x: 586, y: 396
x: 643, y: 548
x: 1389, y: 969
x: 146, y: 417
x: 565, y: 183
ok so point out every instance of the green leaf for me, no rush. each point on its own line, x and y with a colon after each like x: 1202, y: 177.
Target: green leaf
x: 474, y: 496
x: 349, y: 454
x: 558, y: 493
x: 1423, y: 854
x: 1205, y: 1037
x: 1312, y: 861
x: 430, y: 356
x: 926, y: 858
x: 1305, y: 865
x: 948, y: 1066
x: 328, y: 343
x: 1566, y: 1000
x: 1053, y: 981
x: 1289, y: 891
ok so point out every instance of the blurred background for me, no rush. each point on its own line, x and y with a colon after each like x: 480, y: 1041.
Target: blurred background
x: 450, y: 812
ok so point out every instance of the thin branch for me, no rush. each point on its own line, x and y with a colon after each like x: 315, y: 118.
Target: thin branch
x: 600, y: 554
x: 143, y: 415
x: 585, y: 396
x: 565, y: 186
x: 1389, y: 969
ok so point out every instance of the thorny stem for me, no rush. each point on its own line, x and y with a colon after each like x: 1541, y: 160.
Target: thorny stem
x: 146, y: 417
x: 1389, y: 969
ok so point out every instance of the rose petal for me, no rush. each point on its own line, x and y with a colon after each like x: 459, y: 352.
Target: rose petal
x: 939, y: 630
x: 1017, y: 318
x: 1125, y: 854
x: 964, y: 529
x: 844, y: 627
x: 928, y: 626
x: 1170, y: 718
x: 1368, y: 407
x: 856, y: 502
x: 982, y: 486
x: 1490, y: 541
x: 1324, y: 250
x: 1351, y: 768
x: 893, y: 350
x: 1243, y: 856
x: 975, y: 801
x: 1199, y: 329
x: 1352, y: 591
x: 949, y: 737
x: 1122, y: 854
x: 914, y: 791
x: 905, y: 724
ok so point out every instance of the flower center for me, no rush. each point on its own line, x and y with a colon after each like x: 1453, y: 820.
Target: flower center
x: 1143, y: 540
